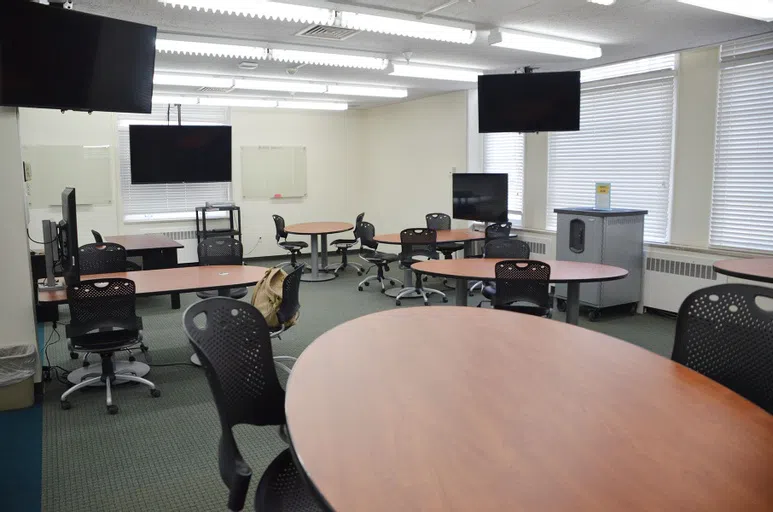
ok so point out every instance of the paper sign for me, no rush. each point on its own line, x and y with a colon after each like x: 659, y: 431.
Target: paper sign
x: 603, y: 196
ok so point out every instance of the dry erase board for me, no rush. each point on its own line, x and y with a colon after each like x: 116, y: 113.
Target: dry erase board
x: 273, y: 172
x: 53, y: 168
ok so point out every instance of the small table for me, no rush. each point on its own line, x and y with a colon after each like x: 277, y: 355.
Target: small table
x: 478, y: 409
x: 467, y: 236
x: 157, y: 251
x: 315, y: 229
x: 482, y: 269
x: 754, y: 269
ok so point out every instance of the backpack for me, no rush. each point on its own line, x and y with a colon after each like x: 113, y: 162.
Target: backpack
x: 267, y: 297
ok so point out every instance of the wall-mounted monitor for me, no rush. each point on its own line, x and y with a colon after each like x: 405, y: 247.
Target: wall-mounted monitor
x: 529, y: 102
x: 179, y: 154
x: 60, y: 58
x: 480, y: 197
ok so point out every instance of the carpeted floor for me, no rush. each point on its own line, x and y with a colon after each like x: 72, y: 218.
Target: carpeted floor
x: 161, y: 453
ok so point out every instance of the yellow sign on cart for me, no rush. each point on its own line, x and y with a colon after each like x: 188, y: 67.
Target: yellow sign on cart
x: 603, y: 196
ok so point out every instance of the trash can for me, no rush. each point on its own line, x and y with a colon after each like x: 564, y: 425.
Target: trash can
x: 17, y: 371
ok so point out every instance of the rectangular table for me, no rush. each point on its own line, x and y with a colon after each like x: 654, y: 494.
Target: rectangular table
x: 157, y: 251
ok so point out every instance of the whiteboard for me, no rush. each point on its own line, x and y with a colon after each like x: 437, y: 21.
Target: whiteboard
x: 53, y: 168
x: 273, y: 172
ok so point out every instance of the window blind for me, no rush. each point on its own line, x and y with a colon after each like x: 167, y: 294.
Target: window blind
x: 144, y: 201
x: 742, y: 198
x: 626, y: 139
x: 503, y: 153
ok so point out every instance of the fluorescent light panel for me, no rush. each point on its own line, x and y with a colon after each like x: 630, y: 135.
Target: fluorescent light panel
x: 756, y: 9
x: 322, y: 16
x: 221, y: 101
x: 539, y: 43
x: 328, y: 59
x: 212, y: 49
x: 279, y: 85
x: 192, y: 81
x: 365, y: 90
x: 434, y: 72
x: 175, y: 100
x: 312, y: 105
x: 602, y: 2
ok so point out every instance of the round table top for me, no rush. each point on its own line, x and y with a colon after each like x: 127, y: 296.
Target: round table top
x: 501, y: 411
x: 756, y: 269
x: 483, y: 269
x: 318, y: 228
x: 443, y: 235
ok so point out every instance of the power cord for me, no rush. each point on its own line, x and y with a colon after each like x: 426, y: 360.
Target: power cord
x: 56, y: 239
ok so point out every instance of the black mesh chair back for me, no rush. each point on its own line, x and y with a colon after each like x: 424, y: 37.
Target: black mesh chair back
x: 220, y: 251
x: 102, y: 258
x: 291, y: 290
x: 368, y: 235
x: 438, y: 221
x: 357, y: 224
x: 97, y: 236
x: 522, y: 281
x: 498, y: 230
x: 507, y: 248
x: 279, y: 224
x: 285, y: 488
x: 233, y: 342
x: 723, y: 333
x: 102, y: 304
x: 417, y: 242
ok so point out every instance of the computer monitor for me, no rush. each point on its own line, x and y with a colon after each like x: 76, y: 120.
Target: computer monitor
x: 68, y: 238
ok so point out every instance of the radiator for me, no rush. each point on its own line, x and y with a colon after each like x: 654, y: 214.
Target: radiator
x: 670, y: 276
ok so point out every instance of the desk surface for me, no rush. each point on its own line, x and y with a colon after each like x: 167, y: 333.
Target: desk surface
x: 483, y: 269
x: 144, y: 242
x: 756, y: 269
x: 443, y: 235
x: 178, y: 279
x: 501, y: 411
x: 318, y: 228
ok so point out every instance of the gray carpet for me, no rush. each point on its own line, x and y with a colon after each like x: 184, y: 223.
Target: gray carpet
x: 161, y: 453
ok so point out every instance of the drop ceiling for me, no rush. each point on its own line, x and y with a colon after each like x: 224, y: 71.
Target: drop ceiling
x: 626, y: 30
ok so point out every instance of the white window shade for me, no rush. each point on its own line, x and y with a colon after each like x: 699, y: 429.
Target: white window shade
x: 742, y: 202
x: 146, y: 202
x: 503, y: 153
x: 625, y: 138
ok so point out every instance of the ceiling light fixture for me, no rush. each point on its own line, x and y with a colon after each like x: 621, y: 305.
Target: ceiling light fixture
x: 328, y: 59
x: 222, y: 101
x: 364, y: 90
x: 213, y: 49
x: 280, y: 85
x: 539, y: 43
x: 756, y: 9
x: 237, y: 102
x: 193, y: 81
x: 260, y: 9
x: 407, y: 28
x: 602, y: 2
x: 434, y: 72
x: 174, y: 100
x: 313, y: 105
x: 322, y: 16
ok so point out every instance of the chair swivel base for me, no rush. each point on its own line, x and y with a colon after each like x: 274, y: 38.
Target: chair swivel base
x: 95, y: 370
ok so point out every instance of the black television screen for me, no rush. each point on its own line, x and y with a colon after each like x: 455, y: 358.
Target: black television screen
x: 529, y: 102
x: 480, y: 197
x: 68, y: 238
x: 64, y: 59
x: 180, y: 154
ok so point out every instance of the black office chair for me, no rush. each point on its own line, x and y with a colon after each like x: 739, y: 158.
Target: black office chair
x: 440, y: 222
x: 221, y: 251
x: 130, y: 265
x: 418, y: 244
x: 502, y: 248
x: 97, y: 237
x: 723, y: 333
x: 369, y: 253
x: 233, y: 342
x: 290, y: 305
x: 495, y: 231
x: 294, y: 248
x: 103, y: 320
x: 523, y: 286
x: 342, y: 245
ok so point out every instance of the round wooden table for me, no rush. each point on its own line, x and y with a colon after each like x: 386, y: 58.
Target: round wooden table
x: 466, y: 236
x: 313, y: 230
x: 497, y: 411
x: 482, y: 269
x: 755, y: 269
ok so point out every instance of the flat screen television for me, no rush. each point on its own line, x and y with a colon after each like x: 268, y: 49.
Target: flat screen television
x: 480, y: 197
x: 68, y: 238
x: 179, y: 154
x: 529, y: 102
x: 59, y: 58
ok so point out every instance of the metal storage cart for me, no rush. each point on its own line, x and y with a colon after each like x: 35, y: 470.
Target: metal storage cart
x: 234, y: 229
x: 611, y: 237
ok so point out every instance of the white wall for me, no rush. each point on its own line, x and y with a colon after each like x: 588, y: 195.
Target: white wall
x: 411, y: 150
x: 16, y: 301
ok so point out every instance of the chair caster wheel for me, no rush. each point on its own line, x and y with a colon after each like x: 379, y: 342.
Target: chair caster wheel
x: 445, y: 299
x: 132, y: 359
x: 86, y: 364
x: 383, y: 290
x: 73, y: 355
x: 471, y: 294
x: 593, y: 315
x: 65, y: 405
x: 425, y: 278
x: 392, y: 282
x: 143, y: 348
x: 155, y: 393
x: 367, y: 284
x: 359, y: 273
x: 112, y: 409
x: 397, y: 303
x: 359, y: 288
x: 426, y: 303
x: 561, y: 305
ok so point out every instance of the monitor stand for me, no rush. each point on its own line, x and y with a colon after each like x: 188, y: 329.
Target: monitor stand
x: 51, y: 248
